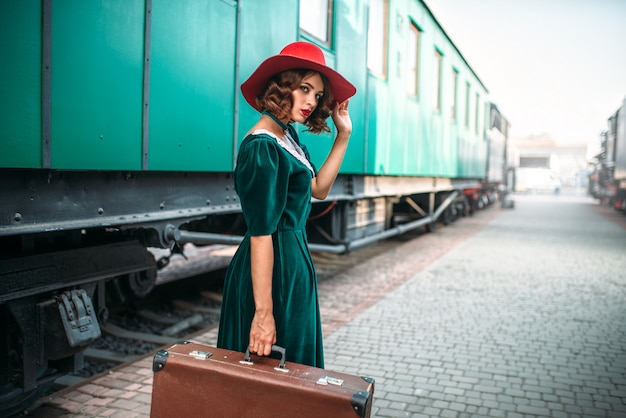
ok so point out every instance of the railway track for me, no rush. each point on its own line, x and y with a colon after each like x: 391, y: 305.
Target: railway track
x: 141, y: 327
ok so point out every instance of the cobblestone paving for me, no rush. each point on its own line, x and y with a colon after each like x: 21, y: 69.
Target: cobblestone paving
x: 526, y: 318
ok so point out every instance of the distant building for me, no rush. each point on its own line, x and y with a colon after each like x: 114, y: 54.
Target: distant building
x: 565, y: 163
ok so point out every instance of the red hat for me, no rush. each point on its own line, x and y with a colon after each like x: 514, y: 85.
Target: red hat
x: 296, y: 55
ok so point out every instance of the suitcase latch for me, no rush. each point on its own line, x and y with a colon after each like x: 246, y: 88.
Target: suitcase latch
x: 327, y: 380
x: 200, y: 355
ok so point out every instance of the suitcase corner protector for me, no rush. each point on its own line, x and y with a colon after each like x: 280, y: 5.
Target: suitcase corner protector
x: 360, y: 401
x: 368, y: 379
x: 160, y: 358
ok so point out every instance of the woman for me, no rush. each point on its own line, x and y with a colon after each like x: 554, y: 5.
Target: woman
x: 270, y: 290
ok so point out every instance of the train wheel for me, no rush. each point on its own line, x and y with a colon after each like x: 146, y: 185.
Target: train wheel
x: 135, y: 285
x: 13, y: 400
x: 142, y: 283
x: 448, y: 216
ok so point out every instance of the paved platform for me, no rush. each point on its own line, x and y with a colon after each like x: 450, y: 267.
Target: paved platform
x: 526, y: 318
x: 508, y: 313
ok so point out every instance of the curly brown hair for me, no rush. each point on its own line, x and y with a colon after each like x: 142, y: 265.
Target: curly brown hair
x: 277, y: 100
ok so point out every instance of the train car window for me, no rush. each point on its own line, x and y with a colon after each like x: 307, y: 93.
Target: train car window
x: 437, y: 83
x: 412, y: 85
x: 316, y: 19
x: 377, y: 37
x: 455, y: 91
x: 467, y: 104
x: 476, y: 113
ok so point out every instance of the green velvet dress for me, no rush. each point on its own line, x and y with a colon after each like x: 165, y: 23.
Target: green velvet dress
x: 274, y: 187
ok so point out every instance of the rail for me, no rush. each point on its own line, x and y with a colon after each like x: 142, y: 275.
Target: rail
x: 173, y: 234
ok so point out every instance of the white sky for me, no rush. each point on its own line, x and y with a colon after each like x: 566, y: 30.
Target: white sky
x: 555, y: 67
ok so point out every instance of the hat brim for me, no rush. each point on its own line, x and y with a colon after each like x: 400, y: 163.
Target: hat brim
x: 340, y: 88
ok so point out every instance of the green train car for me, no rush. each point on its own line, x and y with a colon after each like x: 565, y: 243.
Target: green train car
x: 119, y: 130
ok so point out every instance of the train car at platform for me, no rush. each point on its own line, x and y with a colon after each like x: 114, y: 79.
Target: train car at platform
x: 607, y: 181
x: 119, y: 130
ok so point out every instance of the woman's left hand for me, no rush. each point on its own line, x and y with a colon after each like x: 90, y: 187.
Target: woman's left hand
x: 341, y: 118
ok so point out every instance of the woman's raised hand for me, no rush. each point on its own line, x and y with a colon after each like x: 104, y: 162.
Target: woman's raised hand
x: 341, y: 118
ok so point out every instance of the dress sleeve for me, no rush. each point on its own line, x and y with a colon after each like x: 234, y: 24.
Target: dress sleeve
x: 261, y: 179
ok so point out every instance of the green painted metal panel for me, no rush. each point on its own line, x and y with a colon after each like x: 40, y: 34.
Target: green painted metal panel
x: 410, y: 136
x: 20, y: 83
x: 261, y: 38
x: 378, y: 127
x: 319, y: 145
x: 192, y: 85
x: 398, y: 137
x: 97, y: 73
x: 412, y: 139
x: 351, y: 47
x: 348, y: 58
x: 197, y: 115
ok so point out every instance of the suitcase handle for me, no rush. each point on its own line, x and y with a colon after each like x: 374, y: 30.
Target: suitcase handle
x: 275, y: 348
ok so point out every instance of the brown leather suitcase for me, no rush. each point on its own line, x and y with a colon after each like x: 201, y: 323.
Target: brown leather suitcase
x: 194, y: 380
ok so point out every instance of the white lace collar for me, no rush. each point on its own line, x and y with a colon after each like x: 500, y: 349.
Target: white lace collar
x: 290, y: 146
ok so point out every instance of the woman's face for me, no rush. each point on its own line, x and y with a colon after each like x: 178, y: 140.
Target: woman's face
x: 306, y: 97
